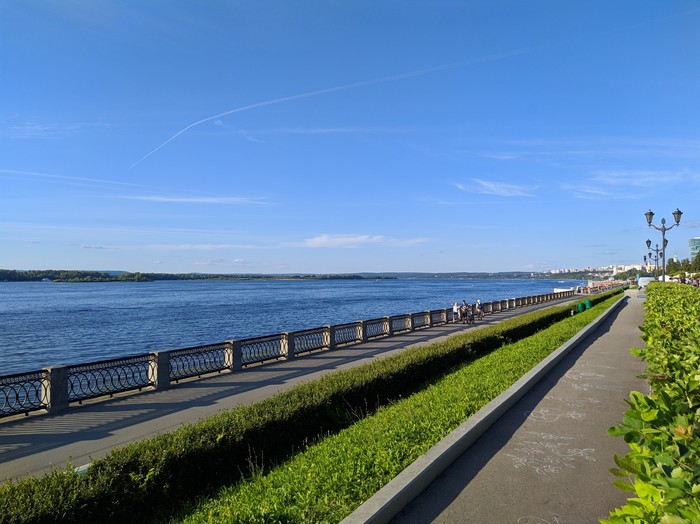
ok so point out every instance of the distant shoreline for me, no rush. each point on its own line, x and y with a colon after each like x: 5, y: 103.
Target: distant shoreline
x: 74, y: 276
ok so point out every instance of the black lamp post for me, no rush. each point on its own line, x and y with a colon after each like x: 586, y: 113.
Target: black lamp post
x: 659, y: 252
x: 650, y: 216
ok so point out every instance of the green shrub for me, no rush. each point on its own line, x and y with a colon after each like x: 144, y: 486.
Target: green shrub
x: 662, y: 428
x: 329, y: 480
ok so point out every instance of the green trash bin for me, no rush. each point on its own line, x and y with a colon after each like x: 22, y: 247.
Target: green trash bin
x: 588, y: 303
x: 581, y: 307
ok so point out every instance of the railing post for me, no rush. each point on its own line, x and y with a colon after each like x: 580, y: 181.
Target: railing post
x: 331, y: 336
x: 237, y: 357
x: 363, y: 330
x: 160, y: 360
x: 57, y: 389
x: 388, y: 328
x: 288, y: 344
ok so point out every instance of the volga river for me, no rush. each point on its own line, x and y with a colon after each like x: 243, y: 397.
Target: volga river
x: 44, y: 324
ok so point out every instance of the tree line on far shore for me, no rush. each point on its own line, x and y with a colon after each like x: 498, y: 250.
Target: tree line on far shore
x: 39, y: 275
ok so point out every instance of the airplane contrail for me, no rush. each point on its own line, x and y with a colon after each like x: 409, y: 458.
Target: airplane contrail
x: 335, y: 89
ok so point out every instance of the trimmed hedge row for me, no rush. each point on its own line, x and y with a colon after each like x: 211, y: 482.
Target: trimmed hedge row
x: 150, y: 477
x: 663, y: 428
x: 329, y: 480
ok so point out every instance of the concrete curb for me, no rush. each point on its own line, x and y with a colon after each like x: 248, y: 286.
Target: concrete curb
x: 412, y: 481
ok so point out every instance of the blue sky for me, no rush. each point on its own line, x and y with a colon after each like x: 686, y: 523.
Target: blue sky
x: 335, y: 136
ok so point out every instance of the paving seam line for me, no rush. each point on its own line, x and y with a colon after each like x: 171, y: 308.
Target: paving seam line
x: 413, y: 480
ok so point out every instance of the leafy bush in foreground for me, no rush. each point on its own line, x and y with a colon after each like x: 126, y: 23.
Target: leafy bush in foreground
x: 152, y: 476
x: 663, y: 428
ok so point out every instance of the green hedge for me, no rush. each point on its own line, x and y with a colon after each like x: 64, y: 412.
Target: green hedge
x: 150, y: 477
x: 330, y: 479
x: 662, y: 429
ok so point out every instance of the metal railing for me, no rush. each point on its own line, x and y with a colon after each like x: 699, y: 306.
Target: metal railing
x: 54, y: 389
x: 24, y: 392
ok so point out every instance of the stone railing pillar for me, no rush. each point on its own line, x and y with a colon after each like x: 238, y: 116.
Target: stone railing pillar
x: 237, y: 355
x: 363, y: 330
x: 330, y: 330
x: 57, y: 389
x: 160, y: 360
x: 288, y: 345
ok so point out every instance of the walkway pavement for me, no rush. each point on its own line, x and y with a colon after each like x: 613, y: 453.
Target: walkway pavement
x: 546, y: 459
x: 35, y: 444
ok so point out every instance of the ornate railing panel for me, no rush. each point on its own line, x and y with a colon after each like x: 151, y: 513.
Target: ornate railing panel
x: 420, y: 320
x: 107, y: 377
x: 348, y: 333
x: 310, y: 340
x: 436, y: 317
x: 377, y: 327
x: 400, y: 323
x: 23, y: 392
x: 260, y: 349
x: 198, y: 360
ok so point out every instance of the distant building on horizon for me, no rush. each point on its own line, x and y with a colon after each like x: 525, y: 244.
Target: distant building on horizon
x: 694, y: 244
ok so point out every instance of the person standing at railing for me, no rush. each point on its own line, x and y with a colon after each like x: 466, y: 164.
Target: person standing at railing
x: 479, y: 309
x: 455, y: 312
x: 467, y: 318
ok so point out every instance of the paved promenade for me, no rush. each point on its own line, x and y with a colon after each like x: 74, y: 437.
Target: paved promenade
x: 546, y: 459
x: 35, y: 444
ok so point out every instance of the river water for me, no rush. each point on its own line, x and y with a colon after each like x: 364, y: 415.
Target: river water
x: 44, y: 324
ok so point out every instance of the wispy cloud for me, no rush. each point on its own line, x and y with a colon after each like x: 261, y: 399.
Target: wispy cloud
x: 336, y: 89
x: 221, y: 262
x: 340, y: 130
x: 645, y: 178
x: 356, y: 241
x: 236, y: 201
x: 628, y: 184
x: 344, y: 241
x: 487, y: 187
x: 590, y: 192
x: 70, y: 180
x: 168, y: 247
x: 589, y: 147
x: 198, y: 247
x: 39, y: 130
x: 98, y: 248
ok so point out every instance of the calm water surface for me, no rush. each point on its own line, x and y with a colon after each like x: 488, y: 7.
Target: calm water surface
x: 44, y: 324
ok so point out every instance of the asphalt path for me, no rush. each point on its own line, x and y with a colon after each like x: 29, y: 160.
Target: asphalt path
x: 546, y: 460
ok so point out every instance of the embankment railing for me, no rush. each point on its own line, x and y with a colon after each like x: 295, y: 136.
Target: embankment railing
x: 55, y: 388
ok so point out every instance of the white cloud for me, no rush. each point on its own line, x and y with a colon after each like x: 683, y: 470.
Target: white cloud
x: 69, y: 180
x: 643, y: 178
x: 588, y: 192
x: 97, y: 247
x: 344, y: 241
x: 237, y: 201
x: 28, y: 130
x: 355, y: 241
x: 198, y: 247
x: 488, y: 187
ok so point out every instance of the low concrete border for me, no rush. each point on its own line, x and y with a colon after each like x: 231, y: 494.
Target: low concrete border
x: 413, y: 480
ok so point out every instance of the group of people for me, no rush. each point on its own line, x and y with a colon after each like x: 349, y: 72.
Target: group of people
x: 465, y: 313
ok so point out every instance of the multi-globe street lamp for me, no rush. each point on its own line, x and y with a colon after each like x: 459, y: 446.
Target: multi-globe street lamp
x: 659, y: 255
x: 650, y: 216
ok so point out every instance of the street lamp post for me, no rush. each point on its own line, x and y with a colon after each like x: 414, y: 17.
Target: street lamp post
x: 677, y: 217
x: 659, y: 255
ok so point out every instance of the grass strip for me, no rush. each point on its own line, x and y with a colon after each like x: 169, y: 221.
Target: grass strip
x: 331, y: 478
